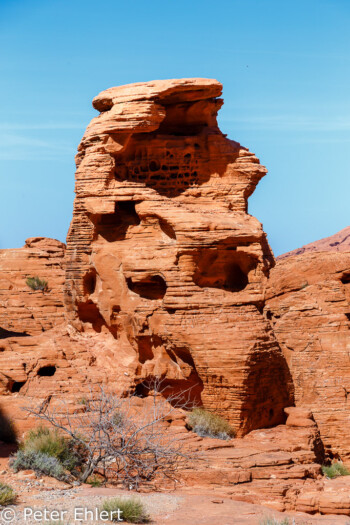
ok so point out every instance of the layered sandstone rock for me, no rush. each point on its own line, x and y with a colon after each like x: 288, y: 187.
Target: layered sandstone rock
x: 339, y: 242
x: 24, y: 311
x: 308, y: 305
x: 167, y: 275
x: 163, y: 257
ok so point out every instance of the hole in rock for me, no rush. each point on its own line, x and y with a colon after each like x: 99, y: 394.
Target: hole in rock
x: 114, y: 226
x: 223, y: 268
x: 348, y: 316
x: 146, y: 344
x: 9, y: 333
x: 171, y: 311
x: 345, y: 279
x: 149, y: 288
x: 90, y: 282
x: 47, y: 371
x: 154, y: 165
x: 16, y: 386
x: 267, y: 390
x: 88, y: 312
x: 141, y: 390
x: 8, y: 432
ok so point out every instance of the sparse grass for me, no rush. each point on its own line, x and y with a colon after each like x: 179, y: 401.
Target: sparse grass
x: 132, y: 509
x: 335, y: 469
x: 37, y: 284
x: 274, y: 521
x: 206, y: 424
x: 7, y: 495
x: 94, y: 481
x: 51, y: 443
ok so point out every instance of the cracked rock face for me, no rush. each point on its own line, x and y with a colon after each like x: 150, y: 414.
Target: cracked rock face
x: 162, y: 257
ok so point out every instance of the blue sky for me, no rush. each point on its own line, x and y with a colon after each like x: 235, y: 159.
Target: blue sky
x: 285, y: 67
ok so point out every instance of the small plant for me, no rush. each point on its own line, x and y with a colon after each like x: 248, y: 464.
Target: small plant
x: 37, y: 284
x: 132, y: 510
x: 94, y: 481
x: 274, y: 521
x: 50, y: 442
x: 39, y: 462
x: 335, y: 469
x: 206, y: 424
x: 7, y: 495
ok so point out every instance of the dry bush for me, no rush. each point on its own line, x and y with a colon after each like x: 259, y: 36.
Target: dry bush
x: 117, y: 439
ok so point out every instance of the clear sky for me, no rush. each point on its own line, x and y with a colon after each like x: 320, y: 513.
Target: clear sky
x: 285, y: 66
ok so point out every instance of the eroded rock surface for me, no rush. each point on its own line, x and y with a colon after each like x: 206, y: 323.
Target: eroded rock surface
x: 162, y: 255
x: 24, y: 311
x: 308, y: 305
x: 168, y: 276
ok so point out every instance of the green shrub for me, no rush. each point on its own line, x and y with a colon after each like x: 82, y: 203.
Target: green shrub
x: 132, y: 510
x: 335, y: 469
x: 94, y: 481
x: 274, y: 521
x: 51, y: 443
x: 39, y: 462
x: 7, y: 495
x: 7, y: 430
x: 206, y: 424
x: 37, y: 284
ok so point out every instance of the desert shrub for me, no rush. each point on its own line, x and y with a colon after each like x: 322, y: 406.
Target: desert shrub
x: 120, y: 443
x: 7, y: 430
x: 132, y: 510
x: 39, y: 462
x: 335, y: 469
x: 206, y: 424
x: 275, y: 521
x: 7, y: 495
x: 51, y: 443
x: 37, y: 284
x: 94, y: 481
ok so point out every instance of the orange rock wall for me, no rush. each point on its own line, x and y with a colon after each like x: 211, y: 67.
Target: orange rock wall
x: 24, y: 311
x: 308, y: 305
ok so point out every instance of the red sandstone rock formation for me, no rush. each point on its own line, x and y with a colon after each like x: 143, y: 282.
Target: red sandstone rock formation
x: 167, y: 275
x: 308, y: 305
x: 339, y: 242
x: 163, y: 257
x: 24, y: 311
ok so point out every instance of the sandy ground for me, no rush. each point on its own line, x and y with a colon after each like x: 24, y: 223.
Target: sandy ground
x: 180, y: 507
x: 172, y: 508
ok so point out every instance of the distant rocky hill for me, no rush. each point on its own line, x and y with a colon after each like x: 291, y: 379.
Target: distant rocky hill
x: 339, y: 242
